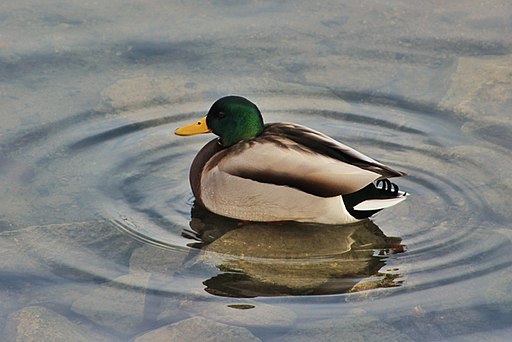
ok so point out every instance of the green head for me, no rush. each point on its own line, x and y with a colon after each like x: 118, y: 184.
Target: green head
x: 233, y: 119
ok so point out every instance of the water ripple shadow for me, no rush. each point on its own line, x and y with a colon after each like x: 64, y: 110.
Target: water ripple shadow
x: 126, y: 129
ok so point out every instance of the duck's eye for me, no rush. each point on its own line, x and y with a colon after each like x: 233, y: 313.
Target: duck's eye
x: 221, y: 114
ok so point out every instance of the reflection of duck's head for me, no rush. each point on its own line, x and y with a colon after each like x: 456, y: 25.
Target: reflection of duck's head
x: 283, y: 171
x: 261, y: 259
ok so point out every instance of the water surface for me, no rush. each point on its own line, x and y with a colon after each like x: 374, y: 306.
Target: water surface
x: 100, y: 236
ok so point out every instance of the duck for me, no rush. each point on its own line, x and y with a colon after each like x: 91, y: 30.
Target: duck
x: 281, y: 171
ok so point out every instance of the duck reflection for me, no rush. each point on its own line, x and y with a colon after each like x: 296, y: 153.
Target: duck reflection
x: 290, y: 258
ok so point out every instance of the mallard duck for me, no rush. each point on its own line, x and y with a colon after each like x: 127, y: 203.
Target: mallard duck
x: 283, y: 171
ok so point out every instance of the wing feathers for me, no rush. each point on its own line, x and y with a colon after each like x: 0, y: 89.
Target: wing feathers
x: 326, y: 145
x: 298, y: 157
x: 290, y: 164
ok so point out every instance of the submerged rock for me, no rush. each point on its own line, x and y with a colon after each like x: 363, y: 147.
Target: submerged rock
x: 76, y: 250
x: 170, y: 311
x: 60, y: 294
x: 39, y: 324
x: 118, y: 304
x: 352, y: 327
x: 198, y: 329
x: 480, y: 93
x: 15, y: 258
x: 251, y: 314
x: 139, y: 92
x: 481, y: 85
x: 153, y: 259
x: 499, y: 293
x: 451, y: 324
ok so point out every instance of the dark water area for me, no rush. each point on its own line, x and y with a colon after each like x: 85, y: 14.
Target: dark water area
x: 100, y: 239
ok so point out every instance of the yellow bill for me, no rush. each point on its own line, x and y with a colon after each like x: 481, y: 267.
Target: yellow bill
x: 198, y: 127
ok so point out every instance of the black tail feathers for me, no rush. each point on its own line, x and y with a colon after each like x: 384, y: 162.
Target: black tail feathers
x: 380, y: 189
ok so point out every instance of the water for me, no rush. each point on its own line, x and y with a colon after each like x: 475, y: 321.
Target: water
x: 100, y: 237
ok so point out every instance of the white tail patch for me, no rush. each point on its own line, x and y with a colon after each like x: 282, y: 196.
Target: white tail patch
x: 376, y: 204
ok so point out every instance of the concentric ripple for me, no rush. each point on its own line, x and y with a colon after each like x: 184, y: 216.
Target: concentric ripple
x: 129, y: 170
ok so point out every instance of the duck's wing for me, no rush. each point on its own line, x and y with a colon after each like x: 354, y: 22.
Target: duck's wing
x: 327, y: 146
x: 298, y: 157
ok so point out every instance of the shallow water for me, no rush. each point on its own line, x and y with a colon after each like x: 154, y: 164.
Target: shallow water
x: 100, y: 237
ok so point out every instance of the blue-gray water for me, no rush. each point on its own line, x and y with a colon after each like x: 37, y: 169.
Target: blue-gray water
x: 99, y: 239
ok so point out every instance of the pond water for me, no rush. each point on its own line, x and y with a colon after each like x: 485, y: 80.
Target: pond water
x: 99, y: 235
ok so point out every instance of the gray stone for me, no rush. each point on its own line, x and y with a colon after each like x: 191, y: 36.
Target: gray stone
x: 258, y: 315
x: 446, y: 324
x: 198, y: 329
x: 352, y: 327
x: 15, y: 258
x: 118, y: 304
x: 39, y: 324
x: 499, y: 293
x: 153, y: 259
x: 140, y: 92
x: 479, y: 86
x: 9, y: 302
x: 170, y: 311
x: 61, y: 294
x: 76, y: 250
x: 480, y: 92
